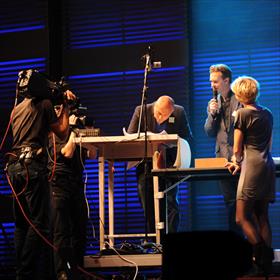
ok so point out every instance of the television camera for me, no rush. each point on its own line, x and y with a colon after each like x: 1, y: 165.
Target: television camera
x: 34, y: 84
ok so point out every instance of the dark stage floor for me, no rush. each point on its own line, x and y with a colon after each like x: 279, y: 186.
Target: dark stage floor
x: 149, y: 267
x: 143, y: 274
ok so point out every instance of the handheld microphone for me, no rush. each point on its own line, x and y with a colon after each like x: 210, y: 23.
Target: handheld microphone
x: 215, y: 94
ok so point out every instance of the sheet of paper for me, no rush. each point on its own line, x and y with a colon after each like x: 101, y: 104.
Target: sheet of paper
x: 142, y: 134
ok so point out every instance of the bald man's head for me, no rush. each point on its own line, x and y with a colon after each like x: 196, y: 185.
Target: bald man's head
x: 163, y: 108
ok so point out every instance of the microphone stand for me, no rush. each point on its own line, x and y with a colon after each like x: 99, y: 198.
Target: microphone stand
x: 144, y: 97
x: 143, y: 110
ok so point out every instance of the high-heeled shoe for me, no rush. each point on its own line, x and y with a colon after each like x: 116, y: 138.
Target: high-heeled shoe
x: 263, y: 257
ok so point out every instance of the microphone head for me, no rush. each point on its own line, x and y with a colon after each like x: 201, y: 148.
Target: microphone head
x: 147, y: 58
x: 215, y: 93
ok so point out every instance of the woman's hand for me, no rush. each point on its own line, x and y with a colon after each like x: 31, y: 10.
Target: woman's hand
x: 232, y: 167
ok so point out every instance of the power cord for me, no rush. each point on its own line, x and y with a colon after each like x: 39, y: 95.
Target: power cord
x: 123, y: 258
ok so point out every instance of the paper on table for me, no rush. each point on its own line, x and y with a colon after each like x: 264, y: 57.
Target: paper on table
x: 142, y: 134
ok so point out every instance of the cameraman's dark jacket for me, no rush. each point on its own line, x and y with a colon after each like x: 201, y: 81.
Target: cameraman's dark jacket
x: 31, y: 123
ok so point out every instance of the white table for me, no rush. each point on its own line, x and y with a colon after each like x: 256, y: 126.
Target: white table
x: 128, y: 148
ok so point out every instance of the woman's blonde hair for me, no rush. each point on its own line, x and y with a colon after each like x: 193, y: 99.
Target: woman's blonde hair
x: 246, y: 89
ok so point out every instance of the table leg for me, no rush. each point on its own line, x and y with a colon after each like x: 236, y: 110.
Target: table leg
x: 158, y: 224
x: 101, y: 178
x: 111, y: 201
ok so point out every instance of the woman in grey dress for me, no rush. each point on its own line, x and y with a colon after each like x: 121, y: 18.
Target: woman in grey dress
x: 256, y: 186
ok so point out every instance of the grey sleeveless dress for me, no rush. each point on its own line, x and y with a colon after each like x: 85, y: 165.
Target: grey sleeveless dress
x: 257, y: 177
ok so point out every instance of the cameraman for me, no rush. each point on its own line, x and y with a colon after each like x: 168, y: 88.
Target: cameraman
x: 32, y: 120
x: 70, y: 213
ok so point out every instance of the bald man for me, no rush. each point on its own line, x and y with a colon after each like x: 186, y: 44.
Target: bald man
x: 163, y: 114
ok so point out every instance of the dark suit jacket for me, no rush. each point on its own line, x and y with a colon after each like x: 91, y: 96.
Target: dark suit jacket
x: 177, y: 123
x: 215, y: 127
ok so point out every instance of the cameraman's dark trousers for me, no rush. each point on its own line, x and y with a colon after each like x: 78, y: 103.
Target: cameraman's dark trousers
x: 33, y: 255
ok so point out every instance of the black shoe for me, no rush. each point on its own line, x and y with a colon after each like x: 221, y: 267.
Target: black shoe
x: 254, y: 271
x: 62, y: 275
x: 263, y: 257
